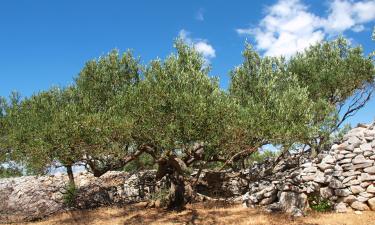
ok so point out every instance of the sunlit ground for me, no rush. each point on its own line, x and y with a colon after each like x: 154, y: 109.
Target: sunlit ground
x: 208, y: 213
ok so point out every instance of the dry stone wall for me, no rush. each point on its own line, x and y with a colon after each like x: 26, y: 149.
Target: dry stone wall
x: 31, y: 197
x: 344, y: 175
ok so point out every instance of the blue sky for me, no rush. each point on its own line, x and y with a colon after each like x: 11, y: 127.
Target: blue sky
x: 45, y: 43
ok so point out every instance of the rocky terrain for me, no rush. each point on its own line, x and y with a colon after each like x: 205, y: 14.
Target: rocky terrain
x: 344, y: 176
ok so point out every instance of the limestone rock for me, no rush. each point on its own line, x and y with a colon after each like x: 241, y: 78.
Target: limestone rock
x: 341, y: 208
x: 356, y: 189
x: 326, y: 192
x: 343, y: 192
x: 371, y: 203
x: 366, y: 164
x: 329, y: 159
x: 359, y: 206
x: 335, y: 184
x: 370, y: 170
x: 291, y: 200
x: 366, y: 147
x: 324, y: 166
x: 359, y: 159
x: 348, y: 199
x: 367, y: 177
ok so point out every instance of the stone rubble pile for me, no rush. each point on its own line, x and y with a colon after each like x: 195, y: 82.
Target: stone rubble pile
x: 345, y: 176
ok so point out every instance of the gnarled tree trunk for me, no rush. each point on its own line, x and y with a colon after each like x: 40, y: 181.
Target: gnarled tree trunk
x: 174, y: 168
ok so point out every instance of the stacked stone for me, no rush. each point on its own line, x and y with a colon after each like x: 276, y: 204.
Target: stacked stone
x: 353, y: 180
x: 344, y: 175
x: 31, y: 197
x: 285, y: 187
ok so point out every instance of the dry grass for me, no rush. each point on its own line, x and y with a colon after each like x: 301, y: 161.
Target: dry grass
x: 201, y: 214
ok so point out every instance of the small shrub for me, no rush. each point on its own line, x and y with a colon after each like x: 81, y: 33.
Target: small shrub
x: 319, y: 204
x: 69, y: 195
x: 162, y: 195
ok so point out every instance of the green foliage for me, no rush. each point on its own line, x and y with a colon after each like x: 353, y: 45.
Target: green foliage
x: 69, y: 195
x: 118, y: 110
x: 178, y: 105
x: 276, y: 109
x: 336, y: 75
x: 319, y: 203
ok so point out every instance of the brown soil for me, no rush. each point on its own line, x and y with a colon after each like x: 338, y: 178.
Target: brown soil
x: 207, y: 213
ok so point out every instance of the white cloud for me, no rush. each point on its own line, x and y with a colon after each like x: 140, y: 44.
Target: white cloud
x: 200, y: 15
x: 358, y: 28
x: 201, y: 45
x: 289, y: 26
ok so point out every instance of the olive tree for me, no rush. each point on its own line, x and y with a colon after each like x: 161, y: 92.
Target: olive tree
x: 76, y: 124
x: 181, y: 117
x: 338, y: 75
x: 275, y: 107
x: 99, y: 88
